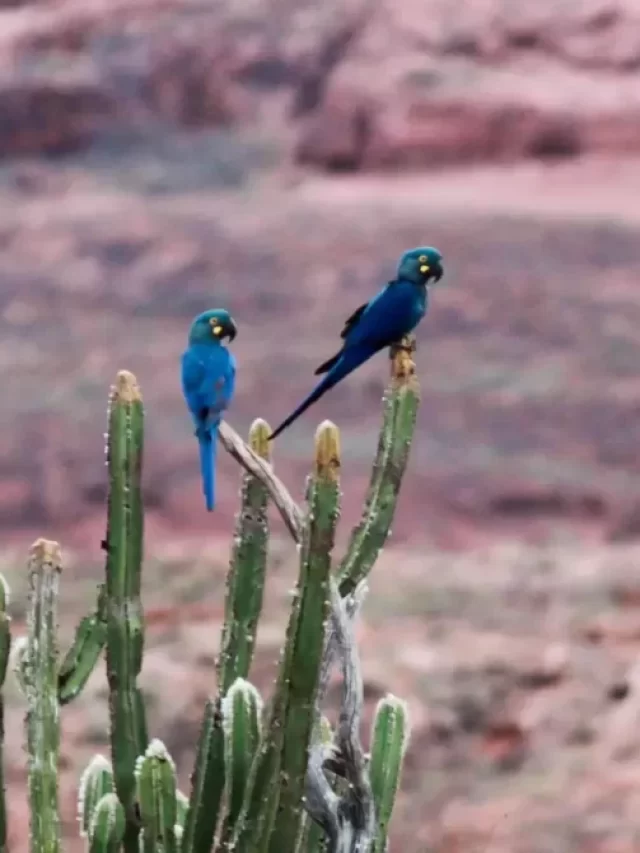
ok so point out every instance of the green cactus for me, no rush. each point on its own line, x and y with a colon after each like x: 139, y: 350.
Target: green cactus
x: 401, y: 403
x: 156, y: 796
x: 182, y: 805
x: 95, y: 782
x: 388, y: 745
x: 39, y: 667
x: 207, y: 782
x: 245, y: 583
x: 245, y: 580
x: 107, y: 827
x: 82, y: 657
x: 124, y: 617
x: 241, y: 713
x: 253, y: 778
x: 5, y: 649
x: 271, y: 816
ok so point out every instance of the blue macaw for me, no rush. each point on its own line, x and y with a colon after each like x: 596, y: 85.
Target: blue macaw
x: 394, y: 312
x: 208, y: 381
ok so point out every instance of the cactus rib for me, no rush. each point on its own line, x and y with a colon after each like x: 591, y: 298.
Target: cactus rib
x: 207, y: 782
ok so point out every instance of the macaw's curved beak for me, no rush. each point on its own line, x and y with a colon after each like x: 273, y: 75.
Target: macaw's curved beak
x: 231, y: 330
x: 436, y: 272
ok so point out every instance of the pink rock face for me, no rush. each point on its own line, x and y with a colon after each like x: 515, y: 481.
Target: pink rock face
x: 385, y: 85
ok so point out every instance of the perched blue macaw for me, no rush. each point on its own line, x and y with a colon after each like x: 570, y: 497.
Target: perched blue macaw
x: 208, y: 381
x: 394, y: 312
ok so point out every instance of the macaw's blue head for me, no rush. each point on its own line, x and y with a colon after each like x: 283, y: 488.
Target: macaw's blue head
x: 421, y: 266
x: 211, y: 327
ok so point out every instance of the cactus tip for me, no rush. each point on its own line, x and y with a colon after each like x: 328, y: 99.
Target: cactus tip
x: 403, y: 366
x: 126, y: 389
x: 327, y: 455
x: 259, y: 438
x: 45, y: 552
x: 399, y: 709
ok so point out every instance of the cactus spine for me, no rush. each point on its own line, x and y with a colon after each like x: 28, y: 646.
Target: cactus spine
x: 124, y: 618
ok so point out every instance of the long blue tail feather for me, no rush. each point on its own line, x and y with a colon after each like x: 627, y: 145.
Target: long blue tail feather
x: 208, y: 442
x: 347, y: 362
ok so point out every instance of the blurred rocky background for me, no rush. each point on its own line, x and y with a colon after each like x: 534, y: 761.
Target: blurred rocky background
x: 160, y: 157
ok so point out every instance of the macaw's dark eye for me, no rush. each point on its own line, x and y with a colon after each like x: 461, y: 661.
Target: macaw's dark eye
x: 423, y: 259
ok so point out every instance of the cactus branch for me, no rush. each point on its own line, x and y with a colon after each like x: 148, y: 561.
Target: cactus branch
x: 388, y: 745
x: 241, y: 709
x: 107, y: 825
x: 308, y: 641
x: 156, y: 794
x: 400, y: 412
x: 39, y: 666
x: 276, y: 782
x: 347, y: 818
x: 245, y: 580
x: 207, y: 782
x: 125, y: 626
x: 82, y: 657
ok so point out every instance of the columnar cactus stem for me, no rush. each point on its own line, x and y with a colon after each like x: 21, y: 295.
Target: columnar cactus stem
x: 5, y: 649
x: 388, y: 745
x: 82, y: 657
x: 39, y: 666
x: 156, y: 785
x: 241, y: 711
x: 245, y: 580
x: 124, y: 618
x: 399, y: 420
x: 96, y: 781
x: 245, y: 584
x: 107, y: 827
x: 207, y: 782
x: 273, y: 802
x: 308, y: 641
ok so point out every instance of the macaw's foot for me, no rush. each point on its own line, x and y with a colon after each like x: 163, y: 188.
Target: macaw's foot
x: 406, y: 344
